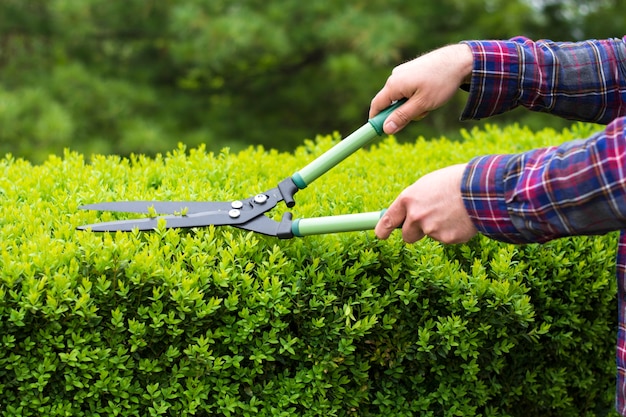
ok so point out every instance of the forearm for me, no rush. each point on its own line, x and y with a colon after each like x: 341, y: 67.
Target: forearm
x: 582, y: 81
x: 578, y: 188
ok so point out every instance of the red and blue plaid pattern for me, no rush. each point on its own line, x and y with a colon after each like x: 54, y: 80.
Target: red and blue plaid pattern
x: 576, y: 188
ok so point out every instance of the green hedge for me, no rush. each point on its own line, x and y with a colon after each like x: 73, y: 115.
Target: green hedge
x: 217, y: 321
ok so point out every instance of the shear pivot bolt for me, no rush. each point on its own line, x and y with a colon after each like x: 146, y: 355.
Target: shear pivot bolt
x: 260, y: 198
x: 236, y: 204
x: 234, y: 213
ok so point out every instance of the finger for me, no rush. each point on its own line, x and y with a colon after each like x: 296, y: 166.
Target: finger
x: 411, y: 232
x: 393, y: 217
x: 403, y: 115
x: 382, y: 100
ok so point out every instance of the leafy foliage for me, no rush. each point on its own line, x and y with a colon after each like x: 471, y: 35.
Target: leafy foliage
x: 217, y: 321
x: 141, y: 75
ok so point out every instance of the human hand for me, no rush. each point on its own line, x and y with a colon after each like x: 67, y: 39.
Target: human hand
x: 428, y: 82
x: 433, y: 207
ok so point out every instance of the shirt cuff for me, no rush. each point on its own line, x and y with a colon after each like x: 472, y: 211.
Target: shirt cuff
x: 494, y: 87
x: 484, y: 197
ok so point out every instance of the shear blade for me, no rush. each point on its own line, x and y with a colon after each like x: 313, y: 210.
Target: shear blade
x: 216, y: 218
x: 161, y: 207
x: 122, y: 225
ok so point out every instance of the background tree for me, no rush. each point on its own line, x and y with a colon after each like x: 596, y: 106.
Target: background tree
x: 141, y: 75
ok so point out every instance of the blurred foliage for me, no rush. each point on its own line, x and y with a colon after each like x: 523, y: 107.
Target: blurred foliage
x: 141, y: 75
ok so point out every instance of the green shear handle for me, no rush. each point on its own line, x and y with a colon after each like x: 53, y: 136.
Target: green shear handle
x: 336, y: 224
x: 345, y: 148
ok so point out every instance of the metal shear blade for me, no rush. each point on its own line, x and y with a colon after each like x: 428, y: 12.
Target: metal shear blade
x: 160, y: 207
x: 217, y: 218
x: 246, y: 214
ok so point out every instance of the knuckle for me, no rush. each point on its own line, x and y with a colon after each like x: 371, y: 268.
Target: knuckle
x: 391, y: 80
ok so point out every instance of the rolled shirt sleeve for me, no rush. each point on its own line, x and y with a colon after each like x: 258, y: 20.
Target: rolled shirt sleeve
x: 576, y: 188
x: 576, y: 80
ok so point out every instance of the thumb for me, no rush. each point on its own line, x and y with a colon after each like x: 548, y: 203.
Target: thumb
x: 391, y: 219
x: 402, y: 116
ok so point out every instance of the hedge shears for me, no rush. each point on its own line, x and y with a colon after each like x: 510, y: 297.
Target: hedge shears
x: 250, y: 213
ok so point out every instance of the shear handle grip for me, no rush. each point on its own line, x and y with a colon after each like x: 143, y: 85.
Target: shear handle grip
x: 335, y: 224
x: 345, y: 148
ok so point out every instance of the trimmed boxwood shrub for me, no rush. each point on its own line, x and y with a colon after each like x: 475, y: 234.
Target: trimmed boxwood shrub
x: 218, y: 321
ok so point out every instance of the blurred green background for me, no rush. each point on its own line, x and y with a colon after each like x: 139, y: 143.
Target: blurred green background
x: 140, y: 76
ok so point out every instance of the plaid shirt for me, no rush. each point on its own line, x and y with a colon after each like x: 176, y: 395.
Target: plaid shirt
x: 577, y: 188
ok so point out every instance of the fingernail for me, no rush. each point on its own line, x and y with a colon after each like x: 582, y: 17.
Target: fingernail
x: 390, y: 127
